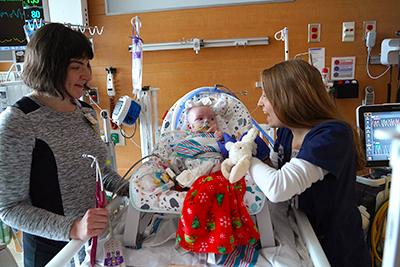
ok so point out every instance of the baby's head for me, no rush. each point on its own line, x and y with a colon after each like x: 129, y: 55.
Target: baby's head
x: 201, y: 119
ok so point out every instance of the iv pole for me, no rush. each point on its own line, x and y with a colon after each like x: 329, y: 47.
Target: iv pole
x: 111, y: 158
x: 284, y: 37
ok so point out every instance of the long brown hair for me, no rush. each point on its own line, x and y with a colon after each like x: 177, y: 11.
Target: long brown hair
x: 298, y: 96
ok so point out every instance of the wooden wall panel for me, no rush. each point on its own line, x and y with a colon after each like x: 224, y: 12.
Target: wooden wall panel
x: 179, y: 71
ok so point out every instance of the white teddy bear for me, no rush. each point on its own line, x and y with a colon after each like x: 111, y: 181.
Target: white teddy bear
x: 240, y: 154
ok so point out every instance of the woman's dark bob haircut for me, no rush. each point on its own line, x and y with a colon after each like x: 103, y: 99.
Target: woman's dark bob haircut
x: 48, y: 56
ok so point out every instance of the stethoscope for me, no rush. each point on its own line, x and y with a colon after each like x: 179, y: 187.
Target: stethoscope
x: 100, y: 200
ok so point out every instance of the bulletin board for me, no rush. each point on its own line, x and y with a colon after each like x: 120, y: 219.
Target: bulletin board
x: 118, y: 7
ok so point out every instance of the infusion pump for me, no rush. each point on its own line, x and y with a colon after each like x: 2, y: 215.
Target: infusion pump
x: 126, y: 111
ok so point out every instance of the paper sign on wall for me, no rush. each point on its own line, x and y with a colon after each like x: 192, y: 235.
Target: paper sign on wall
x: 317, y: 54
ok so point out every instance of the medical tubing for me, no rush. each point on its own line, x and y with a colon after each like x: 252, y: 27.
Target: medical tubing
x: 173, y: 168
x: 186, y: 98
x: 376, y: 230
x: 212, y: 90
x: 125, y: 181
x: 226, y: 89
x: 9, y: 71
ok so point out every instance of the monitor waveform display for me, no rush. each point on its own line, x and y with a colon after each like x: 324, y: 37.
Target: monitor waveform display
x: 12, y: 21
x: 386, y: 123
x: 19, y: 14
x: 380, y: 145
x: 14, y: 39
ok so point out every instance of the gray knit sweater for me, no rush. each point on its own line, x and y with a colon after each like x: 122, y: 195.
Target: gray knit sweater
x: 45, y: 183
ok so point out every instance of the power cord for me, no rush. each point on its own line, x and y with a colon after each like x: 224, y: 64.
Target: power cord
x: 369, y: 74
x: 370, y: 43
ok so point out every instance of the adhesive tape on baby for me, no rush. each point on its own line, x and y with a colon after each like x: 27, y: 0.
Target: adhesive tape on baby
x: 126, y: 111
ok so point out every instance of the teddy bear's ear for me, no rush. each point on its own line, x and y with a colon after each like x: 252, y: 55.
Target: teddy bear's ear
x: 228, y: 145
x: 253, y: 133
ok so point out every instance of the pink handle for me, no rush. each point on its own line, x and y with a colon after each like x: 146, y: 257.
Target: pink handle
x: 100, y: 196
x: 100, y: 199
x: 93, y: 251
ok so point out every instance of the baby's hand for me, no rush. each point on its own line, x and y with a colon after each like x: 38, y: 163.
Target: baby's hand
x: 221, y: 143
x: 218, y: 135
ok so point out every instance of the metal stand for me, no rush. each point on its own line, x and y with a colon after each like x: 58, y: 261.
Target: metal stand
x: 391, y: 252
x: 149, y: 129
x: 111, y: 158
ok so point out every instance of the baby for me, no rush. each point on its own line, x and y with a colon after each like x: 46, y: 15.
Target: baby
x: 200, y: 149
x: 213, y: 208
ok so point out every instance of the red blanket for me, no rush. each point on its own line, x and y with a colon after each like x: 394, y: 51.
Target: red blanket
x: 214, y: 218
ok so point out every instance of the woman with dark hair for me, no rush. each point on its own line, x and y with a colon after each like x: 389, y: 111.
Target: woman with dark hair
x: 316, y: 157
x: 47, y: 189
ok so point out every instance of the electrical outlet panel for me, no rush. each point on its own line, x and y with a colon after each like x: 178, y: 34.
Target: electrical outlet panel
x: 117, y: 138
x: 314, y: 33
x: 348, y: 31
x: 368, y: 26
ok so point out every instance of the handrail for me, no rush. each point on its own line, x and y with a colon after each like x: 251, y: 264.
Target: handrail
x: 65, y: 255
x: 317, y: 254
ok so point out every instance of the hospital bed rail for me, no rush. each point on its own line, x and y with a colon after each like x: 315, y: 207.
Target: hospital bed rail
x: 315, y: 250
x: 317, y: 255
x: 73, y: 247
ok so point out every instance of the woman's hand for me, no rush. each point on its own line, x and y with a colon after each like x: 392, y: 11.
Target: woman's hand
x: 92, y: 224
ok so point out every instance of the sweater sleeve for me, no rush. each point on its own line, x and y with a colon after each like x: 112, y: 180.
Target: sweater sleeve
x: 17, y: 142
x: 293, y: 178
x: 113, y: 182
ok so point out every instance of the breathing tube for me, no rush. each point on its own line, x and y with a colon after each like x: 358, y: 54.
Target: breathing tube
x: 190, y: 95
x: 201, y: 127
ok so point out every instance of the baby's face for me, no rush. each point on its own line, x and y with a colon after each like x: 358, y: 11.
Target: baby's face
x: 202, y: 119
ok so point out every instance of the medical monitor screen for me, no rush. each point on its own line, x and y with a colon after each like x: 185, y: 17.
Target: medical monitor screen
x: 118, y: 107
x: 12, y: 36
x: 374, y: 120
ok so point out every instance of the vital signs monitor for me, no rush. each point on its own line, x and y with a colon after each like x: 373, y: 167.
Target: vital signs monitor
x: 374, y: 120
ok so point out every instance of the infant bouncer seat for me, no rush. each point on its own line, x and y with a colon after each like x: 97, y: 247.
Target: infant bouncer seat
x: 152, y: 186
